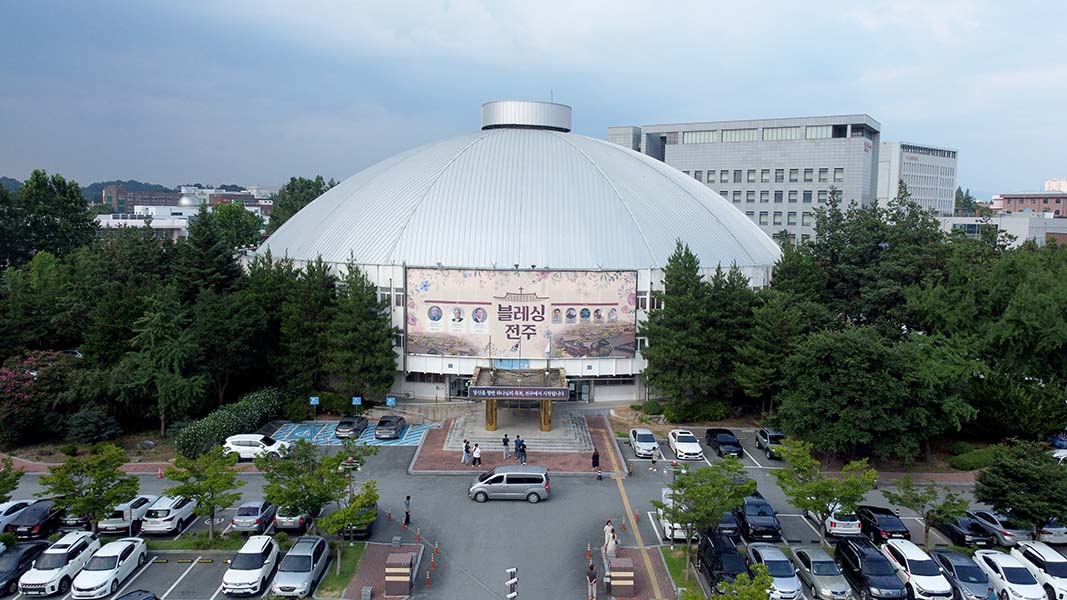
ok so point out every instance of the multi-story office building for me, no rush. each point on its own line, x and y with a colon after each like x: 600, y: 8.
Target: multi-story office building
x: 929, y: 172
x: 122, y: 201
x: 1056, y: 185
x: 1022, y: 226
x: 1053, y: 203
x: 777, y: 171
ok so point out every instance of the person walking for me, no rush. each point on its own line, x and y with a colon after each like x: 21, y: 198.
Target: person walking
x: 590, y: 579
x: 407, y: 511
x: 655, y: 456
x: 477, y: 454
x: 506, y: 442
x: 607, y: 536
x: 596, y: 463
x: 466, y: 453
x: 522, y: 460
x: 518, y: 446
x: 613, y: 543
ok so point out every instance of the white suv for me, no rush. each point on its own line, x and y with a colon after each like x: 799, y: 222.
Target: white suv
x: 127, y: 515
x: 251, y: 568
x: 168, y: 515
x: 1047, y: 566
x: 56, y: 567
x: 253, y: 445
x: 919, y: 573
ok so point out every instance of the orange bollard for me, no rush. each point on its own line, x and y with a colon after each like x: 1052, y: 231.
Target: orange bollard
x: 433, y: 562
x: 427, y: 578
x: 418, y: 534
x: 389, y: 517
x: 624, y: 525
x: 436, y: 549
x: 403, y: 525
x: 588, y: 552
x: 159, y: 472
x: 637, y: 517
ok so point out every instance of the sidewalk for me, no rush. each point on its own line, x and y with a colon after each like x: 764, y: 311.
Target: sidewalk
x: 30, y: 466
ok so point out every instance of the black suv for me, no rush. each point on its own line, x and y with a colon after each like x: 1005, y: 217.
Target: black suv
x: 770, y: 440
x: 757, y: 519
x: 723, y: 441
x: 38, y: 520
x: 868, y: 570
x: 880, y: 524
x: 719, y: 559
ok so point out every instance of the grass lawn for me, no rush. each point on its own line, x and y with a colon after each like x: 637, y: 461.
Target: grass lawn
x: 675, y: 560
x: 199, y: 541
x: 333, y: 584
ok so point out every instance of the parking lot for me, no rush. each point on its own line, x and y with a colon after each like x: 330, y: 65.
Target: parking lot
x: 323, y: 433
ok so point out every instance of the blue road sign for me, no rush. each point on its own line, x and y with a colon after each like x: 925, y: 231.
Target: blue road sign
x: 357, y: 401
x: 390, y: 401
x: 314, y: 400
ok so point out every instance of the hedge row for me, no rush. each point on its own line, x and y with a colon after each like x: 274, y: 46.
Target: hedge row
x: 244, y: 416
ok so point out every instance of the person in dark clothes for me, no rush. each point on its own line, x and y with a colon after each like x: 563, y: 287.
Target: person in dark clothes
x: 407, y: 511
x: 590, y: 580
x: 596, y: 463
x: 506, y: 443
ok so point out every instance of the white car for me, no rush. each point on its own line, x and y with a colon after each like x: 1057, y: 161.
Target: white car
x: 1046, y: 565
x: 251, y: 568
x: 168, y: 515
x: 253, y: 445
x: 1009, y: 577
x: 643, y: 441
x: 671, y: 530
x: 917, y: 571
x: 109, y: 567
x: 685, y: 445
x: 11, y: 510
x: 56, y: 567
x: 839, y: 522
x: 127, y: 515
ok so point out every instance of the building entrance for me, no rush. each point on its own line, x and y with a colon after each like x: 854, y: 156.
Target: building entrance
x: 492, y: 385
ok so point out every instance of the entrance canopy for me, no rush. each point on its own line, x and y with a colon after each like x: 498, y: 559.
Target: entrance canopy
x: 543, y: 385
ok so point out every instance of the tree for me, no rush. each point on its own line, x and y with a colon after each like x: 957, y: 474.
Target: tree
x: 360, y: 338
x: 228, y: 329
x: 306, y: 480
x: 236, y: 225
x: 745, y: 587
x: 47, y: 214
x: 358, y: 513
x: 204, y: 260
x: 924, y: 501
x: 305, y: 314
x: 1027, y: 483
x: 295, y: 195
x: 966, y: 204
x: 809, y: 489
x: 33, y: 299
x: 210, y: 480
x: 93, y: 486
x: 700, y: 497
x: 9, y: 479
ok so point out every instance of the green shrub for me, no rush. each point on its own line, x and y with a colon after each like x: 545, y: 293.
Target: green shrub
x: 283, y: 539
x: 652, y: 407
x: 713, y: 410
x: 8, y: 539
x: 55, y: 537
x: 244, y: 416
x: 176, y: 427
x: 69, y: 449
x: 636, y: 407
x: 973, y: 460
x: 959, y: 448
x: 90, y: 425
x: 99, y: 447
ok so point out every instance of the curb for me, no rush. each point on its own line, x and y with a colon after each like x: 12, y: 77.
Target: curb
x: 607, y: 474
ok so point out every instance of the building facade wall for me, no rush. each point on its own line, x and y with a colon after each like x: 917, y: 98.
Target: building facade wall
x: 1054, y: 203
x: 1022, y: 226
x: 929, y: 172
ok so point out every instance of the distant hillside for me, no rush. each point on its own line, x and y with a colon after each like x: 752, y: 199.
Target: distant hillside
x: 92, y: 191
x: 9, y: 184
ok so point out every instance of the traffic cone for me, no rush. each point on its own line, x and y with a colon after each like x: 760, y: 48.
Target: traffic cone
x: 427, y: 578
x: 624, y: 525
x: 159, y: 472
x: 637, y: 517
x: 589, y: 552
x: 389, y: 516
x: 433, y: 562
x: 436, y: 549
x: 418, y: 534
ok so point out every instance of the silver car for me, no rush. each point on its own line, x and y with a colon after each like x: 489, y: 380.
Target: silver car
x: 785, y: 584
x: 291, y: 519
x: 1004, y: 531
x: 820, y: 574
x: 643, y: 442
x: 253, y: 517
x: 301, y: 568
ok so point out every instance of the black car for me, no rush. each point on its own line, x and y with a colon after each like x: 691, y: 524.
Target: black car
x: 15, y: 561
x: 724, y: 442
x: 138, y: 595
x: 880, y: 523
x: 868, y: 570
x: 728, y: 525
x: 350, y: 531
x: 351, y: 427
x: 72, y: 522
x: 390, y: 427
x: 965, y: 531
x: 38, y: 520
x: 757, y: 520
x: 718, y: 558
x: 770, y: 440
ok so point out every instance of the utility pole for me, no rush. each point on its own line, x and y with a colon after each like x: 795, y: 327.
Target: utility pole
x: 512, y: 583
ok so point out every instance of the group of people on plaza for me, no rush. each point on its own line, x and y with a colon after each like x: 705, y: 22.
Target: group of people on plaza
x: 611, y: 544
x: 472, y: 455
x: 520, y: 448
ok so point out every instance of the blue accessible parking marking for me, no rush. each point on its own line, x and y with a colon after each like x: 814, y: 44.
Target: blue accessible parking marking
x: 323, y: 434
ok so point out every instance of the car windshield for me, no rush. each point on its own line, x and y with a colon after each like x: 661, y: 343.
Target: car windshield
x: 758, y: 510
x: 646, y: 437
x: 1019, y: 576
x: 288, y: 511
x: 970, y: 574
x: 845, y: 517
x: 685, y: 438
x: 247, y: 561
x: 296, y: 564
x: 51, y: 560
x: 1006, y: 523
x: 779, y: 568
x: 157, y: 513
x: 1057, y: 568
x: 924, y: 568
x: 102, y: 563
x: 825, y: 567
x: 347, y: 422
x: 726, y: 438
x: 248, y: 511
x: 775, y: 438
x: 117, y: 514
x: 877, y: 567
x: 733, y: 563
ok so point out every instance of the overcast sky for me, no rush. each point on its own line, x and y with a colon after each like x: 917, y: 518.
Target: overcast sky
x: 254, y: 92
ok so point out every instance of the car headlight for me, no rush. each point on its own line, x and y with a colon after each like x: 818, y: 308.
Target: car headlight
x: 1015, y: 593
x: 919, y: 588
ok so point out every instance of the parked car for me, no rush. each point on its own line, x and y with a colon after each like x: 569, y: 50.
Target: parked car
x: 15, y: 561
x: 9, y: 511
x: 288, y: 518
x: 1004, y: 531
x: 1008, y: 577
x: 868, y: 570
x: 251, y: 567
x: 356, y: 531
x: 757, y: 520
x: 511, y: 482
x: 818, y: 571
x: 128, y: 515
x: 785, y: 584
x: 962, y: 573
x: 880, y: 523
x: 301, y: 568
x: 728, y: 525
x: 351, y: 426
x: 138, y: 595
x: 38, y: 520
x: 253, y: 517
x: 1046, y: 565
x: 643, y: 442
x: 72, y: 522
x: 248, y: 446
x: 920, y: 574
x: 838, y: 523
x: 685, y: 445
x: 770, y: 440
x: 390, y: 427
x: 168, y: 515
x: 724, y: 442
x: 109, y: 567
x: 965, y: 531
x: 670, y: 530
x: 54, y: 569
x: 718, y: 558
x: 1054, y: 532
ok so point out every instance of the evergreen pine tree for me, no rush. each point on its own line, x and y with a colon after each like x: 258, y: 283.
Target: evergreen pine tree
x: 360, y: 338
x: 203, y: 260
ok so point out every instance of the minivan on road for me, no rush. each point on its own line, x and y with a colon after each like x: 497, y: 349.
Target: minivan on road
x: 511, y: 482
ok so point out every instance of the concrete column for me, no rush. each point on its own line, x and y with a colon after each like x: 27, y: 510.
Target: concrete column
x: 546, y: 415
x: 490, y: 414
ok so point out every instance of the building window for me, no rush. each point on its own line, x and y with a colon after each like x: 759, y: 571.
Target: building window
x: 642, y: 343
x: 724, y: 176
x: 822, y: 196
x: 779, y: 175
x: 820, y: 132
x: 778, y: 134
x: 750, y: 176
x: 670, y: 138
x: 398, y: 297
x: 750, y: 196
x: 700, y: 137
x: 839, y: 174
x: 764, y: 196
x: 740, y: 135
x: 737, y: 175
x: 398, y: 340
x: 642, y: 300
x: 794, y: 175
x: 793, y: 196
x: 809, y: 175
x: 384, y: 294
x: 763, y: 218
x: 765, y: 175
x: 656, y: 302
x: 750, y: 214
x: 698, y: 175
x: 686, y: 172
x: 805, y: 219
x: 778, y: 196
x: 711, y: 176
x: 823, y: 175
x: 805, y: 237
x: 724, y: 193
x: 791, y: 218
x: 807, y: 196
x: 737, y: 196
x: 777, y: 217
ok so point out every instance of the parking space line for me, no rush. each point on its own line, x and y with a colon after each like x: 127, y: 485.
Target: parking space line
x: 187, y: 528
x: 179, y: 579
x: 752, y: 458
x: 652, y: 522
x: 213, y: 596
x: 130, y: 581
x: 932, y: 530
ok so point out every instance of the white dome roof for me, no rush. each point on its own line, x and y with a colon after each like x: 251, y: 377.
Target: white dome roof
x: 187, y: 200
x: 525, y: 196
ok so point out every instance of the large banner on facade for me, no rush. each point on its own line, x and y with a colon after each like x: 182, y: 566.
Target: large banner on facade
x: 521, y: 314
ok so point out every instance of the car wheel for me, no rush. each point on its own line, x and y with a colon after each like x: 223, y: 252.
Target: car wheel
x: 813, y: 595
x: 64, y: 586
x: 865, y: 595
x: 1050, y: 592
x: 1003, y: 594
x: 533, y: 498
x: 181, y: 525
x: 768, y: 453
x: 142, y: 559
x: 910, y: 591
x: 114, y: 587
x: 480, y: 497
x: 759, y: 446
